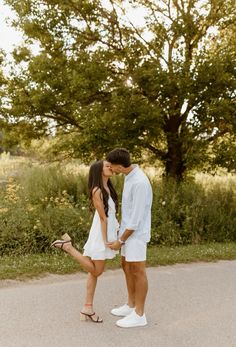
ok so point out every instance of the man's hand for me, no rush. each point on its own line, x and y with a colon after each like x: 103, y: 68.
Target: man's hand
x: 115, y: 245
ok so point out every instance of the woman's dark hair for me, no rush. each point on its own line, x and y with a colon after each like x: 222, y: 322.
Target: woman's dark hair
x: 119, y: 156
x: 95, y: 181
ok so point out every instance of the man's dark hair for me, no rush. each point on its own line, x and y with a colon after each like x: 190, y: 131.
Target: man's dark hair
x: 119, y: 156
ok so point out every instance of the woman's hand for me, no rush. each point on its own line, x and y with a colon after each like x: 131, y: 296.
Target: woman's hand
x: 115, y: 245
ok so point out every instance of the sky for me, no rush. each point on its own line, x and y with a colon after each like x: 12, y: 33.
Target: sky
x: 9, y: 37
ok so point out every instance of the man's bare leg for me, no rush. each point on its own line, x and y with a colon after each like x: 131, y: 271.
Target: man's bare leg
x: 129, y: 282
x: 141, y: 285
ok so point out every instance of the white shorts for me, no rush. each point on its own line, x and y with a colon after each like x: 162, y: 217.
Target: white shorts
x: 134, y: 250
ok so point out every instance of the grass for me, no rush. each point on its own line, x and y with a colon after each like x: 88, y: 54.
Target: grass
x: 10, y: 166
x: 38, y: 265
x: 192, y: 253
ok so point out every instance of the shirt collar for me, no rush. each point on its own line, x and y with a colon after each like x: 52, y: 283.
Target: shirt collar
x: 133, y: 172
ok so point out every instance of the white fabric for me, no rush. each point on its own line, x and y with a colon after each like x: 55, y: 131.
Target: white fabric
x: 132, y: 320
x: 134, y: 249
x: 122, y: 311
x: 95, y: 247
x: 136, y: 205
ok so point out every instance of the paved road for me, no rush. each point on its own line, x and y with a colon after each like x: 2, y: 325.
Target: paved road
x: 188, y: 306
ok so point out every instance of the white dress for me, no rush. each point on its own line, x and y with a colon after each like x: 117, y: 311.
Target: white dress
x: 95, y: 247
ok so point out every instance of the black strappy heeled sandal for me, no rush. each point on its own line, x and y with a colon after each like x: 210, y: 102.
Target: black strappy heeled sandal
x: 65, y: 239
x: 90, y: 316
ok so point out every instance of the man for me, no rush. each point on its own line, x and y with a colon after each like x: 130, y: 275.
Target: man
x: 135, y: 230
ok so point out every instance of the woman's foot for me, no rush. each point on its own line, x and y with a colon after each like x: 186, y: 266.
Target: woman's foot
x: 87, y: 313
x: 87, y: 308
x: 64, y: 243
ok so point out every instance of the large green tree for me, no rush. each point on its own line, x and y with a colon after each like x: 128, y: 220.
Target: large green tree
x: 105, y: 76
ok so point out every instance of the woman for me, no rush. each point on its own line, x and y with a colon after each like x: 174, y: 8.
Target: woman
x: 104, y: 229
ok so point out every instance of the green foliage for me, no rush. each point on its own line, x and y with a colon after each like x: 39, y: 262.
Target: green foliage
x: 224, y: 153
x: 100, y: 81
x: 22, y: 267
x: 43, y: 202
x: 190, y: 213
x: 42, y: 183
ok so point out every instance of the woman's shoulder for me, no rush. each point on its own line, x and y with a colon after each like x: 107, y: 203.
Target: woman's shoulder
x: 96, y: 192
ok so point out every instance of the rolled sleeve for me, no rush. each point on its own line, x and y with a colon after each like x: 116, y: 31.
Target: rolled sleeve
x: 138, y: 207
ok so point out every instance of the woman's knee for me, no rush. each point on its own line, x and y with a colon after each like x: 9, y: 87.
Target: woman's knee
x: 98, y: 268
x: 98, y: 273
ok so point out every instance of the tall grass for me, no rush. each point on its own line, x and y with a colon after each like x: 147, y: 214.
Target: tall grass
x: 10, y: 166
x: 193, y: 213
x: 44, y: 201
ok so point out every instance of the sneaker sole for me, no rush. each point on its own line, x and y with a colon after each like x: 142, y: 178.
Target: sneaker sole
x: 120, y: 315
x: 132, y: 326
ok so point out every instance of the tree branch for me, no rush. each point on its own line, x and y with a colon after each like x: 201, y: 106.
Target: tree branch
x: 159, y: 153
x: 215, y: 136
x: 117, y: 23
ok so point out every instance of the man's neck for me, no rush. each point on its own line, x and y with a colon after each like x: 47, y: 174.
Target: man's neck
x: 127, y: 170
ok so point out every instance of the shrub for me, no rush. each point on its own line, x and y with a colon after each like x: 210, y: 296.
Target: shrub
x: 45, y: 182
x: 43, y: 202
x: 189, y: 213
x: 39, y: 206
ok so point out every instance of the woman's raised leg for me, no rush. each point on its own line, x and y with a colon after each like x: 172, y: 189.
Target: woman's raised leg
x: 87, y: 264
x: 65, y: 244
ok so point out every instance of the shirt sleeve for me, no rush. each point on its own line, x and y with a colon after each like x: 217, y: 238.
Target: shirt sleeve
x: 138, y: 206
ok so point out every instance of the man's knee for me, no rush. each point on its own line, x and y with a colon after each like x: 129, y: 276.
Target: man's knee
x: 138, y: 269
x: 125, y: 265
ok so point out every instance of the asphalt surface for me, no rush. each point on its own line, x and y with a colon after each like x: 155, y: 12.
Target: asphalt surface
x: 190, y: 305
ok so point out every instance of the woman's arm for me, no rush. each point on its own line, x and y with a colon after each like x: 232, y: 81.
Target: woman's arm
x: 99, y: 206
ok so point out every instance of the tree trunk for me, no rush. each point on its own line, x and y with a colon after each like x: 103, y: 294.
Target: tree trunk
x: 174, y: 161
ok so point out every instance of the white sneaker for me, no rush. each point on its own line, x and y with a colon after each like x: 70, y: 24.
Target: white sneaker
x: 132, y: 320
x: 122, y: 311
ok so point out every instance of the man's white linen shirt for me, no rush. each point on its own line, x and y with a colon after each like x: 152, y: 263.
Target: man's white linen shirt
x: 136, y: 205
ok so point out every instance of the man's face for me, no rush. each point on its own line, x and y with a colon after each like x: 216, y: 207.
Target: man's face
x: 117, y: 169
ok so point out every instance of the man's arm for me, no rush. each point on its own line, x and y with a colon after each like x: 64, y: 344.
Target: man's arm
x: 138, y: 206
x: 136, y: 217
x: 126, y: 234
x: 116, y: 245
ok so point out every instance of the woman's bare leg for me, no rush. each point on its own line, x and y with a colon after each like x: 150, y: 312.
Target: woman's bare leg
x: 94, y: 268
x: 87, y: 264
x: 84, y: 261
x: 91, y: 285
x: 90, y: 289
